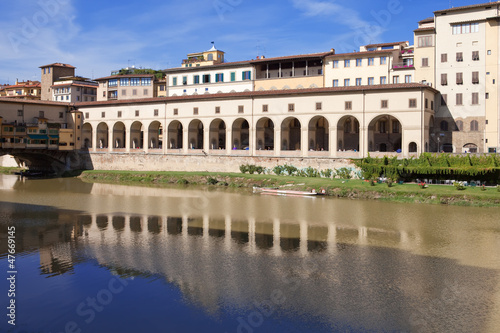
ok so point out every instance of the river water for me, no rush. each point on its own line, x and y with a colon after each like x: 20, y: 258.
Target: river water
x: 116, y: 258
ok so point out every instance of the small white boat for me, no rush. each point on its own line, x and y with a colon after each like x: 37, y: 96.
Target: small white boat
x: 277, y: 191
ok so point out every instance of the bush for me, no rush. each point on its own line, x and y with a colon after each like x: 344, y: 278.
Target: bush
x: 244, y: 168
x: 290, y: 169
x: 326, y: 173
x: 212, y: 181
x: 251, y: 169
x: 279, y: 170
x: 259, y: 169
x: 310, y: 172
x: 344, y: 173
x: 459, y: 186
x: 182, y: 181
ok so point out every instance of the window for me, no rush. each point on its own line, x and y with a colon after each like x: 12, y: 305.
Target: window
x: 460, y: 125
x: 146, y: 81
x: 196, y: 79
x: 443, y: 125
x: 412, y: 103
x: 87, y: 114
x: 487, y: 95
x: 475, y: 77
x: 459, y: 99
x: 219, y: 77
x: 41, y: 114
x: 460, y: 78
x: 358, y: 81
x: 145, y: 92
x: 195, y: 111
x: 184, y: 80
x: 370, y: 81
x: 137, y: 82
x: 20, y: 113
x: 488, y: 52
x: 444, y: 57
x: 176, y: 112
x: 335, y: 83
x: 265, y: 108
x: 384, y: 104
x: 432, y: 105
x: 395, y: 79
x: 206, y: 78
x: 475, y: 55
x: 383, y: 60
x: 383, y: 80
x: 381, y: 126
x: 134, y: 92
x: 217, y: 109
x: 137, y: 113
x: 113, y: 83
x: 335, y: 64
x: 124, y: 92
x: 346, y: 82
x: 460, y: 57
x: 425, y: 62
x: 119, y: 114
x: 155, y: 112
x: 233, y: 76
x: 475, y: 98
x: 291, y: 107
x: 241, y: 109
x: 424, y: 41
x: 174, y: 81
x: 407, y: 78
x: 348, y: 105
x: 426, y: 103
x: 246, y: 75
x: 474, y: 126
x: 395, y: 127
x: 444, y: 79
x: 103, y: 114
x: 359, y: 62
x: 319, y: 106
x: 465, y: 28
x: 444, y: 99
x: 347, y: 63
x: 371, y: 61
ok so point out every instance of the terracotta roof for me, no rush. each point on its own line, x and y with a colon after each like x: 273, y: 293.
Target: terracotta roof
x: 361, y: 53
x: 224, y: 64
x: 256, y: 94
x: 27, y: 101
x: 424, y: 29
x: 25, y: 85
x: 386, y: 44
x: 427, y: 20
x: 487, y: 4
x: 123, y: 76
x: 74, y: 85
x: 58, y: 64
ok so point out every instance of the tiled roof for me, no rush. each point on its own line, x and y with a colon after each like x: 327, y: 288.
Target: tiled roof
x: 123, y: 76
x: 58, y: 64
x: 27, y: 101
x: 424, y: 29
x: 340, y: 55
x: 386, y: 44
x: 257, y: 94
x: 495, y: 3
x: 427, y: 20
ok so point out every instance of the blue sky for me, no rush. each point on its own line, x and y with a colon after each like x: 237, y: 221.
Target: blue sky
x: 98, y: 37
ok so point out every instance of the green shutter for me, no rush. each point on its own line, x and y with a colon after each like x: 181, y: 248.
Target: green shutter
x: 233, y: 76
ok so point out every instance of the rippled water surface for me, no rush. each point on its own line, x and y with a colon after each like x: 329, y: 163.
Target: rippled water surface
x: 114, y: 258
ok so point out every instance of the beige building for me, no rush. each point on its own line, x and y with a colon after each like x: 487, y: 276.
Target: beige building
x: 127, y: 86
x: 74, y: 89
x: 52, y: 73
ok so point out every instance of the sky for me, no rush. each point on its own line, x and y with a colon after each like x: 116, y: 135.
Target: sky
x: 98, y: 37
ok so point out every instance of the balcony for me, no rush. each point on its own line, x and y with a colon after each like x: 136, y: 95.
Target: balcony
x: 403, y: 66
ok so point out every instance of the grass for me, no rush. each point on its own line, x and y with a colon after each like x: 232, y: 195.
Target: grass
x: 10, y: 170
x: 359, y: 189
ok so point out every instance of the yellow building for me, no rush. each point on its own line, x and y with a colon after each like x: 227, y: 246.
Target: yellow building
x: 25, y: 90
x: 205, y: 58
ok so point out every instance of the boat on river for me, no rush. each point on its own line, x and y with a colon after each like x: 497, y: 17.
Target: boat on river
x: 278, y: 191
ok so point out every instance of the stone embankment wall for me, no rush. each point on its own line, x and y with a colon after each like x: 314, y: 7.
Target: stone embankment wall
x: 160, y: 162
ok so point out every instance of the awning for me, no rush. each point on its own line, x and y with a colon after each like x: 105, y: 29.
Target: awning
x: 38, y: 136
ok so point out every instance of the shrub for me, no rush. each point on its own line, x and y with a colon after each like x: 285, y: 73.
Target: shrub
x: 459, y: 186
x: 244, y: 168
x: 182, y: 181
x: 290, y: 169
x: 326, y: 173
x: 310, y: 172
x: 212, y: 181
x: 279, y: 170
x: 344, y: 173
x: 259, y: 169
x: 251, y: 169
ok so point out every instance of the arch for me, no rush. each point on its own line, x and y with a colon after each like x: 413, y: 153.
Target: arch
x: 119, y: 135
x: 87, y: 133
x: 348, y: 133
x: 412, y: 147
x: 155, y: 135
x: 218, y: 134
x: 175, y: 135
x: 102, y: 135
x: 470, y: 148
x: 264, y: 134
x: 241, y: 134
x: 195, y: 134
x: 318, y: 133
x: 385, y: 133
x: 291, y: 134
x: 136, y: 135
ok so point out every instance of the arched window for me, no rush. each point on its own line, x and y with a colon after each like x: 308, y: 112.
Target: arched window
x: 474, y: 126
x: 460, y: 125
x: 412, y: 147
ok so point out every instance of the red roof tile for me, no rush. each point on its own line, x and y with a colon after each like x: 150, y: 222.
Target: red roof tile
x: 57, y: 64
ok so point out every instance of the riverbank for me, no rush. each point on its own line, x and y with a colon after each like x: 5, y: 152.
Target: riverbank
x: 353, y: 188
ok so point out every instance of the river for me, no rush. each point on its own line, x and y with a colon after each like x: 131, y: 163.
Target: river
x: 119, y: 258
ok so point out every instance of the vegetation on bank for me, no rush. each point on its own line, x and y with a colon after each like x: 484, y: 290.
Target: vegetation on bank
x: 10, y: 170
x: 337, y: 187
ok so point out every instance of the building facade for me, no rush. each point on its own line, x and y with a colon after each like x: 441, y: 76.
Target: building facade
x: 25, y: 90
x: 74, y: 89
x: 52, y: 73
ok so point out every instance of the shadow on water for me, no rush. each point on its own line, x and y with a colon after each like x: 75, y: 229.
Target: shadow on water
x: 263, y: 275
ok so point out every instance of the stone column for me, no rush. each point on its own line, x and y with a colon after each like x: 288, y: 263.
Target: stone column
x: 304, y: 140
x: 127, y: 139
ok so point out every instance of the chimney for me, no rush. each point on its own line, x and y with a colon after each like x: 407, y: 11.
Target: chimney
x: 332, y: 50
x: 17, y: 82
